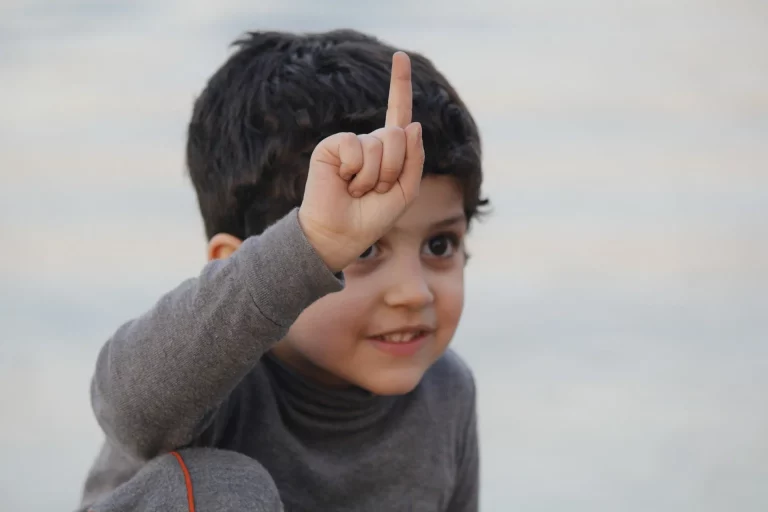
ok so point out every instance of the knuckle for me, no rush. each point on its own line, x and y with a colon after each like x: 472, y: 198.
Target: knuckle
x: 351, y: 150
x: 394, y: 147
x: 371, y: 144
x: 395, y: 133
x: 390, y: 135
x: 348, y: 138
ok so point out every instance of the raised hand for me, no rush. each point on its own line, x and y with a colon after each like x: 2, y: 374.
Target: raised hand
x: 359, y: 185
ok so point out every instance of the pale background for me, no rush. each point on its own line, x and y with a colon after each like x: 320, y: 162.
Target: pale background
x: 616, y: 316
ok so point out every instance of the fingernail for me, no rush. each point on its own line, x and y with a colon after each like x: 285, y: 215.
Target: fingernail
x: 382, y: 187
x: 418, y: 132
x: 356, y: 193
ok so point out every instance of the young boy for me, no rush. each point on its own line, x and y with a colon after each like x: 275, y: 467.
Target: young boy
x: 306, y: 367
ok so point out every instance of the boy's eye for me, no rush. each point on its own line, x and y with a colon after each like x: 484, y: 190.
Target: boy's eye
x: 441, y: 246
x: 369, y: 253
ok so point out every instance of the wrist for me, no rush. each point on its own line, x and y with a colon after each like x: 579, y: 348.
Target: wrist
x: 328, y: 247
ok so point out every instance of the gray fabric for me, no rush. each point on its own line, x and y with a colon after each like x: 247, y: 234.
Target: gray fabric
x: 220, y: 481
x: 195, y: 371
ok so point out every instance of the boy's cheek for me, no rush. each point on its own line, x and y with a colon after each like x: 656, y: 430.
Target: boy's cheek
x: 449, y: 294
x: 336, y: 315
x: 451, y: 309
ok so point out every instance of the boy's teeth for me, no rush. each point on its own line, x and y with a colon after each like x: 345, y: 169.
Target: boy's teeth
x: 399, y: 337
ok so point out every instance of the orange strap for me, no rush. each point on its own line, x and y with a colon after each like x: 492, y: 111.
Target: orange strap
x: 187, y: 481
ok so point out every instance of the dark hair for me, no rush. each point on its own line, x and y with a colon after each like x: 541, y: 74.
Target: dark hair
x: 256, y: 123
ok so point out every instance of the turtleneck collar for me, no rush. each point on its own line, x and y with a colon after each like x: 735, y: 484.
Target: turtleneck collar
x: 306, y: 404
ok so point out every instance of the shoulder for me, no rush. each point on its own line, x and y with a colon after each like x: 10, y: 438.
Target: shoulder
x: 451, y: 369
x: 451, y: 381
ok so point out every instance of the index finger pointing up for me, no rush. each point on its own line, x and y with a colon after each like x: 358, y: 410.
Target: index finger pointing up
x: 400, y: 104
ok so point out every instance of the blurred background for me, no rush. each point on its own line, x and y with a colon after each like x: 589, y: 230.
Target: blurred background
x: 617, y: 312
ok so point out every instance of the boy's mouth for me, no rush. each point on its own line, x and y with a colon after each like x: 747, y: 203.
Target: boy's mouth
x: 400, y: 337
x: 404, y: 341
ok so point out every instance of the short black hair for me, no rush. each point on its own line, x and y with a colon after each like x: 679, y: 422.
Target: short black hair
x: 256, y: 123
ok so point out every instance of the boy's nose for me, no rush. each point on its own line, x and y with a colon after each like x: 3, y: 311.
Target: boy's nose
x: 408, y: 288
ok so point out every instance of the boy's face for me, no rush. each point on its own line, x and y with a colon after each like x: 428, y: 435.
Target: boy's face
x: 400, y: 306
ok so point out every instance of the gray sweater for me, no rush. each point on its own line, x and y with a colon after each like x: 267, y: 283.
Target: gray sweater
x: 195, y: 370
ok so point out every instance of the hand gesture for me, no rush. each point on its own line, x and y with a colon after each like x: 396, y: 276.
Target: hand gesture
x: 359, y: 185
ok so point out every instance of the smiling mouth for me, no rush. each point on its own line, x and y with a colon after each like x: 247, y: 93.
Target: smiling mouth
x: 401, y: 337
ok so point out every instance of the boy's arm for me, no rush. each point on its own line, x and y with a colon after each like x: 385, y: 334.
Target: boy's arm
x: 160, y: 377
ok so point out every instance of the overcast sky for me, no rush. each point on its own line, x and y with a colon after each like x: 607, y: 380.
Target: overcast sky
x: 616, y: 315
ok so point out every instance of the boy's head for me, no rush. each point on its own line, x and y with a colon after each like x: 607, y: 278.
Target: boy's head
x: 250, y: 139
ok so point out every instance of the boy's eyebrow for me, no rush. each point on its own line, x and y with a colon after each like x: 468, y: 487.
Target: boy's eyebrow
x: 450, y: 221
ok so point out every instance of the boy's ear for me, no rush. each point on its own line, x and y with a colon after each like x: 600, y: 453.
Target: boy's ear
x: 222, y: 246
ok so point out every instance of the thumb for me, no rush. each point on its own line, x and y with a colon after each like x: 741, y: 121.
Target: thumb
x: 413, y: 165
